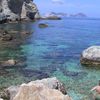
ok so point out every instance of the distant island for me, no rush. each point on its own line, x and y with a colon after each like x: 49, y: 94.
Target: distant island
x: 61, y: 14
x: 78, y: 15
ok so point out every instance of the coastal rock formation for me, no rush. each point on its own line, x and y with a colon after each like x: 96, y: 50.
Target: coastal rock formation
x: 15, y: 10
x: 39, y: 92
x: 91, y: 56
x: 45, y: 89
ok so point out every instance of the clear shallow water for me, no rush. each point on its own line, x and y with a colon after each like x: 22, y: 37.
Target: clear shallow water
x: 54, y: 51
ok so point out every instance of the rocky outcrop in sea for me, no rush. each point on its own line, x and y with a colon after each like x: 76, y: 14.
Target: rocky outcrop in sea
x: 15, y: 10
x: 45, y: 89
x: 91, y: 56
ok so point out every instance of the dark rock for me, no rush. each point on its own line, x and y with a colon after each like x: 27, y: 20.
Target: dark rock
x: 34, y: 73
x: 74, y: 75
x: 26, y: 32
x: 42, y: 25
x: 3, y: 18
x: 7, y: 37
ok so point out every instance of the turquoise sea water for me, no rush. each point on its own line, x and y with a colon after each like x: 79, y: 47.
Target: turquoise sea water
x: 53, y: 51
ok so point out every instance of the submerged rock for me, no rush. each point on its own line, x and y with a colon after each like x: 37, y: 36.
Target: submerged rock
x: 10, y: 62
x: 45, y: 89
x: 34, y: 73
x: 91, y: 56
x: 7, y: 37
x: 26, y: 32
x: 3, y: 32
x: 42, y: 25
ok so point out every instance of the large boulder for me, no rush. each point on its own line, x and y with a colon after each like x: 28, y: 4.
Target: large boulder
x: 39, y: 91
x: 91, y: 56
x: 45, y: 89
x: 15, y: 10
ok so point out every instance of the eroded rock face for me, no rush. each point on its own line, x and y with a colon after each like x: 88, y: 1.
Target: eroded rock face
x: 91, y: 56
x: 45, y: 89
x: 15, y: 10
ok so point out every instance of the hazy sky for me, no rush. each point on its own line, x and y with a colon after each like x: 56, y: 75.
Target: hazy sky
x: 89, y: 7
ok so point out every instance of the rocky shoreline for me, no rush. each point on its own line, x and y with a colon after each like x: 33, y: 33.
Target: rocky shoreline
x: 45, y: 89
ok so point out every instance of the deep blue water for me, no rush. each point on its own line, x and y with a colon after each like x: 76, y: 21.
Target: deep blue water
x: 55, y: 51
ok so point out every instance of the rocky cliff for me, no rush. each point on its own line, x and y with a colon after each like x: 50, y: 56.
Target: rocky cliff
x: 14, y: 10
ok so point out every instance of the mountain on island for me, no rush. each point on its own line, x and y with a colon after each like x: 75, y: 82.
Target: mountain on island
x: 78, y: 15
x: 65, y: 15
